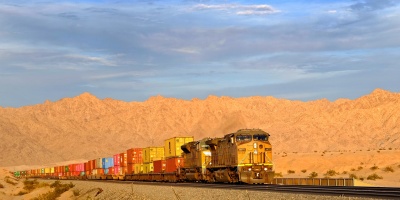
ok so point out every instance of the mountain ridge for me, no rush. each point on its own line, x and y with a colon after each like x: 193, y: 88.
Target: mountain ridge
x: 85, y: 127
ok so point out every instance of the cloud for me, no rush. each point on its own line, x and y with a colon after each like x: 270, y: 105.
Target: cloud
x: 371, y: 5
x: 238, y: 9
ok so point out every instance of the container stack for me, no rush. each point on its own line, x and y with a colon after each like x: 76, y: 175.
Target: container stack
x: 107, y: 163
x: 173, y: 152
x: 98, y: 170
x: 151, y: 154
x: 117, y: 164
x: 123, y: 163
x: 134, y: 159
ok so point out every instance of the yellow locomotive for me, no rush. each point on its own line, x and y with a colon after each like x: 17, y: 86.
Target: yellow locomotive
x: 244, y: 156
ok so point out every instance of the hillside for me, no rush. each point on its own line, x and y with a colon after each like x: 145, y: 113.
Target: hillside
x: 85, y: 127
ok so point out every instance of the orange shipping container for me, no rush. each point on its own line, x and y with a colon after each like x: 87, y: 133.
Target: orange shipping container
x: 123, y: 159
x: 159, y: 166
x: 130, y: 168
x: 173, y: 163
x: 134, y: 155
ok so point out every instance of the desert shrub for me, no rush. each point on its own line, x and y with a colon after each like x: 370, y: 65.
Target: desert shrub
x: 361, y: 178
x: 59, y: 188
x: 360, y: 168
x: 378, y: 151
x: 388, y: 169
x: 9, y: 181
x: 398, y: 166
x: 331, y: 172
x: 278, y: 174
x: 76, y: 192
x: 374, y: 167
x: 390, y: 148
x: 313, y: 175
x: 374, y: 176
x: 291, y: 171
x: 352, y: 169
x: 344, y: 172
x: 353, y: 176
x: 1, y: 185
x: 304, y: 170
x: 30, y: 185
x: 20, y: 193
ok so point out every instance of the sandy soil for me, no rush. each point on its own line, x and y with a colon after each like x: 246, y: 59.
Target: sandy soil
x: 358, y: 163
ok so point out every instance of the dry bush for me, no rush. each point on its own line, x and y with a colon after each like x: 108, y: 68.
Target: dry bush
x: 313, y: 175
x: 278, y: 174
x: 374, y: 167
x: 344, y: 172
x: 360, y: 168
x: 353, y: 176
x: 304, y: 170
x: 388, y: 169
x: 291, y: 171
x: 1, y: 185
x: 59, y: 188
x: 331, y: 172
x: 9, y: 181
x: 374, y: 176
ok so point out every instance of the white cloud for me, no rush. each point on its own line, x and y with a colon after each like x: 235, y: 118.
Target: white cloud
x: 261, y: 9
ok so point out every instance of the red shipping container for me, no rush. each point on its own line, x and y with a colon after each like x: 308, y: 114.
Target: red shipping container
x: 134, y: 156
x: 71, y: 168
x: 79, y: 167
x: 111, y: 170
x: 123, y: 159
x: 130, y: 168
x: 159, y: 166
x: 117, y: 170
x: 92, y: 165
x: 117, y: 159
x: 173, y: 163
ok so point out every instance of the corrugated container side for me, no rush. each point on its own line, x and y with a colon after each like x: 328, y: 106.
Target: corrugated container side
x: 99, y: 163
x: 134, y: 155
x: 138, y: 168
x: 116, y: 159
x: 151, y: 154
x: 173, y: 163
x: 148, y: 168
x: 71, y: 168
x: 98, y: 171
x: 123, y: 159
x: 116, y: 170
x: 122, y: 170
x: 130, y: 168
x: 80, y: 167
x: 52, y: 170
x: 173, y: 146
x: 92, y: 164
x: 159, y: 166
x: 47, y: 170
x: 111, y: 170
x: 107, y: 162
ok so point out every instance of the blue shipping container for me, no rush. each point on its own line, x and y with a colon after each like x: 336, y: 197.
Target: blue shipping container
x: 105, y: 171
x: 107, y: 162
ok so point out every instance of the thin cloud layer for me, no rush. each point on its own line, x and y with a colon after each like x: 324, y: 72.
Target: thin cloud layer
x: 191, y: 49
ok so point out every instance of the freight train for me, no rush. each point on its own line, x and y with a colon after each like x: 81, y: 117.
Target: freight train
x: 244, y: 156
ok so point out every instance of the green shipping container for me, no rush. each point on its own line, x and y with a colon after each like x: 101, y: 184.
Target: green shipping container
x: 66, y: 168
x: 42, y: 170
x: 17, y: 174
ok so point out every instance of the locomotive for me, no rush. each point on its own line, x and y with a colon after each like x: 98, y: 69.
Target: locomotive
x: 244, y: 156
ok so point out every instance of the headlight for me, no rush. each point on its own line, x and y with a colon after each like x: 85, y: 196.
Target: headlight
x: 249, y: 169
x: 265, y: 169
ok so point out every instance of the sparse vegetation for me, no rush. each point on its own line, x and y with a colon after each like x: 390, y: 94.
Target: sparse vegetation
x: 278, y: 174
x: 374, y: 167
x: 331, y: 172
x: 360, y: 168
x: 76, y: 192
x: 1, y: 185
x: 313, y: 175
x: 361, y: 178
x: 353, y: 176
x: 352, y: 169
x: 378, y: 151
x: 344, y: 172
x: 30, y: 185
x: 59, y: 188
x: 388, y: 169
x: 390, y: 148
x: 23, y: 192
x: 9, y: 181
x: 291, y: 171
x: 304, y: 170
x: 374, y: 176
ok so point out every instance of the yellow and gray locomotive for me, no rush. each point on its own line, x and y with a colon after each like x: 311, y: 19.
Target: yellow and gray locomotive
x: 244, y: 156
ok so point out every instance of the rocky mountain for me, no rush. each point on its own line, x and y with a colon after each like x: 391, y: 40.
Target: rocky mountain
x: 85, y: 127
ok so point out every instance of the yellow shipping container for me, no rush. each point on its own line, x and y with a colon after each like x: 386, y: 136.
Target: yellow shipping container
x: 138, y: 168
x: 148, y: 168
x: 151, y: 154
x: 173, y: 146
x: 52, y: 170
x: 47, y: 170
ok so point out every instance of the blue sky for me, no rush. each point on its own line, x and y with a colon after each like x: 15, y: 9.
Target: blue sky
x: 132, y: 50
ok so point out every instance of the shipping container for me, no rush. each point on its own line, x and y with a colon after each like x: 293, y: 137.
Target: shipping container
x: 130, y: 168
x: 151, y: 154
x: 116, y: 158
x: 92, y: 164
x: 98, y: 171
x: 123, y: 160
x: 173, y: 146
x: 42, y: 171
x: 138, y: 168
x: 134, y: 155
x: 98, y: 163
x: 159, y: 166
x: 116, y: 170
x: 47, y: 170
x: 66, y: 169
x: 122, y: 170
x: 17, y: 174
x: 173, y: 163
x: 148, y: 168
x: 80, y: 167
x: 107, y: 162
x: 111, y: 170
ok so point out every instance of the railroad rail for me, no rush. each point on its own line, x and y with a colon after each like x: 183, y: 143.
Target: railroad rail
x: 343, y: 191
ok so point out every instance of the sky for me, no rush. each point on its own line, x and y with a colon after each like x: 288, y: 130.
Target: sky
x: 132, y: 50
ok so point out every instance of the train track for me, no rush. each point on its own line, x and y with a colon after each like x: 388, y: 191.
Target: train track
x: 344, y: 191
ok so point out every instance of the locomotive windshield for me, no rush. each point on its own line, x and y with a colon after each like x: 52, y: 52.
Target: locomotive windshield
x: 262, y: 137
x: 243, y: 138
